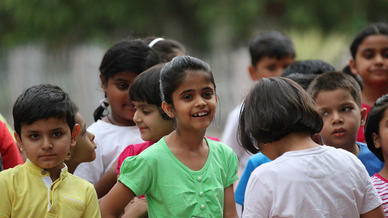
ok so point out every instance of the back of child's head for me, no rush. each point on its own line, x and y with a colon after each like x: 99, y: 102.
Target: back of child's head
x: 274, y: 108
x: 331, y: 81
x: 145, y: 88
x: 132, y: 56
x: 270, y: 44
x: 357, y: 77
x: 303, y: 72
x: 375, y: 116
x: 42, y: 102
x: 174, y: 72
x: 167, y: 49
x: 379, y: 28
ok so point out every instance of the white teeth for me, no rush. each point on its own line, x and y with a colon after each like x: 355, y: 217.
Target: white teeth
x: 200, y: 114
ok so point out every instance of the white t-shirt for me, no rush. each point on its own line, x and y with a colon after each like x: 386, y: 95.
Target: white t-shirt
x: 317, y: 182
x: 230, y: 137
x: 111, y: 141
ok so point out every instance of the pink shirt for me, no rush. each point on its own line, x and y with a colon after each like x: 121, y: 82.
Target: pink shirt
x: 131, y: 150
x: 9, y: 151
x: 381, y: 186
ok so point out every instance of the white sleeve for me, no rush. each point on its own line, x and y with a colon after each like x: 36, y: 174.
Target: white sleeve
x: 371, y: 198
x: 91, y: 171
x: 258, y: 198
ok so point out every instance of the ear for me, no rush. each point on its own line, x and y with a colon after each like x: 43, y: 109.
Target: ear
x: 216, y: 98
x: 353, y: 67
x: 74, y: 134
x: 168, y: 109
x: 363, y: 116
x: 376, y: 140
x: 252, y: 72
x: 19, y: 141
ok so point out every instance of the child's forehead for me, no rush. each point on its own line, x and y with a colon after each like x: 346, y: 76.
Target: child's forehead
x: 142, y: 104
x: 332, y: 95
x: 45, y: 124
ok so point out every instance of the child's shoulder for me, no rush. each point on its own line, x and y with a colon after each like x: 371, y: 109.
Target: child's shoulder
x: 219, y: 147
x: 78, y: 182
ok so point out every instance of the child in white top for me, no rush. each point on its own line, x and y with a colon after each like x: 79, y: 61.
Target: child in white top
x: 369, y: 51
x: 376, y: 135
x: 304, y: 179
x: 183, y: 174
x: 114, y: 131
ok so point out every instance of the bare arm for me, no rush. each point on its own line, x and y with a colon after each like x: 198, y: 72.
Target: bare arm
x: 375, y: 213
x: 106, y: 182
x: 113, y: 203
x: 229, y: 204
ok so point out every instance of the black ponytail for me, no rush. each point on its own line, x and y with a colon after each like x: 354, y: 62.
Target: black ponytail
x: 97, y: 114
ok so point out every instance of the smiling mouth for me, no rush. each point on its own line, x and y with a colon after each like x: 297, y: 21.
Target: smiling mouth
x: 201, y: 114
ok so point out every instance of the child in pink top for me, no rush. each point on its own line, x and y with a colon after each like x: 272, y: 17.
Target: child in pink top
x: 376, y: 135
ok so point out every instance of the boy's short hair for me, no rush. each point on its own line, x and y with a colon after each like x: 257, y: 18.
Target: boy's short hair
x: 376, y: 114
x: 146, y: 88
x: 270, y: 44
x: 42, y: 102
x: 331, y: 81
x: 303, y: 72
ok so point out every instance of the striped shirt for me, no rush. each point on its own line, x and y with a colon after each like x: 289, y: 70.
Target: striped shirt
x: 381, y: 185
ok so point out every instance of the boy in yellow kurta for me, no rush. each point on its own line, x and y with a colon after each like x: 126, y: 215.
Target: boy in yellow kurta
x: 42, y: 187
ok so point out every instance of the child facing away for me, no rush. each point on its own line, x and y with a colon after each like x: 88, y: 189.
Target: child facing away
x: 166, y: 48
x: 114, y: 131
x: 42, y: 187
x: 271, y: 52
x: 84, y: 148
x: 376, y: 135
x: 302, y: 72
x: 369, y: 51
x: 338, y: 100
x: 304, y: 179
x: 184, y: 174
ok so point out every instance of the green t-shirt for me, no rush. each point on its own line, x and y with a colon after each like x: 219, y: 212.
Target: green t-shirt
x: 174, y: 190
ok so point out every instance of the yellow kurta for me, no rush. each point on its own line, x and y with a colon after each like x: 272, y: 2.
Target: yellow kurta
x: 28, y: 191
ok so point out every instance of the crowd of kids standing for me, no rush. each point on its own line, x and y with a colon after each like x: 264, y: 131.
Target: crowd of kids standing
x: 308, y: 140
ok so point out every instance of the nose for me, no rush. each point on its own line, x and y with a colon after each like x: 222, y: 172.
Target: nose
x: 379, y: 59
x: 337, y: 118
x: 46, y: 144
x: 200, y: 102
x: 136, y: 117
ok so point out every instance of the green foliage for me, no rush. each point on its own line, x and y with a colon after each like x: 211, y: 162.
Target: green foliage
x: 192, y: 21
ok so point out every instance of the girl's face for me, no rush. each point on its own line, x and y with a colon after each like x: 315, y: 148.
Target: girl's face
x: 381, y: 140
x: 194, y: 101
x: 84, y: 150
x: 116, y: 89
x: 371, y: 60
x: 150, y: 122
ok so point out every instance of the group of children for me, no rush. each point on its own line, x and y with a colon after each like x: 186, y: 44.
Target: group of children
x: 147, y: 154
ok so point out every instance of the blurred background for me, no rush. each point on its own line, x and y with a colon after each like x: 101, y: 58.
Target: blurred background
x: 62, y: 42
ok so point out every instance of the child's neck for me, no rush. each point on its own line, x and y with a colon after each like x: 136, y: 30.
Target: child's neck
x: 71, y: 165
x: 291, y: 142
x: 55, y: 172
x: 354, y: 149
x: 384, y: 172
x: 371, y: 93
x: 188, y: 140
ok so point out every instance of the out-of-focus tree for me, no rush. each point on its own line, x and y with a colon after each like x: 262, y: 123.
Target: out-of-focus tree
x: 192, y: 21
